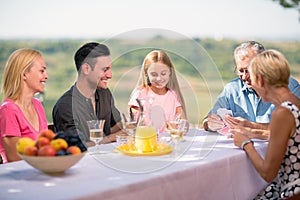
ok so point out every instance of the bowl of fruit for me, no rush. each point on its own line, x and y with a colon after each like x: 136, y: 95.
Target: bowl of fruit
x: 51, y: 152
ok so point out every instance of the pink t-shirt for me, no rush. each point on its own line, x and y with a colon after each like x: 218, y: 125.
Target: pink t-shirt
x: 14, y: 123
x: 168, y: 102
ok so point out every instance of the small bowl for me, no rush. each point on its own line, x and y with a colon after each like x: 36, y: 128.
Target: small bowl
x: 52, y: 164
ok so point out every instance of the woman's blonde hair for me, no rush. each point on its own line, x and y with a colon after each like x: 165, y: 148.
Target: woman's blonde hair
x: 273, y: 66
x: 159, y: 56
x: 19, y: 61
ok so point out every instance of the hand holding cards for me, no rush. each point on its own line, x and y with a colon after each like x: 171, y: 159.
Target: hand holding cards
x: 223, y: 111
x: 225, y: 131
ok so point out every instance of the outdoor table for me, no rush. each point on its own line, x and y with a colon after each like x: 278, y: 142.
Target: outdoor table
x: 206, y: 166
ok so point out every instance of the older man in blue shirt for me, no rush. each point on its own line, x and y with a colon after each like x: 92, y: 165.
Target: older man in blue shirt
x: 238, y: 95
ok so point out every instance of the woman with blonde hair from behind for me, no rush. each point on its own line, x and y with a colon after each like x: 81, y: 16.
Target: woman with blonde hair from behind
x: 269, y: 72
x: 158, y: 82
x: 21, y: 115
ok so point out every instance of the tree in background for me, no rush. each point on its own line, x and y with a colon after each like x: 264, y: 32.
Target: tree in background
x: 289, y: 4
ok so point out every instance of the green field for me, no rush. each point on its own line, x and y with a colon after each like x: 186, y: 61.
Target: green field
x: 203, y: 66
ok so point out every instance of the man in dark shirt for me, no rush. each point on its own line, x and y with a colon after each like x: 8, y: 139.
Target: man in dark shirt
x: 89, y: 98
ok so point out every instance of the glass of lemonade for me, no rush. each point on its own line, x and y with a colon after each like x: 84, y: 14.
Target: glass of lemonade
x: 96, y: 131
x: 145, y: 139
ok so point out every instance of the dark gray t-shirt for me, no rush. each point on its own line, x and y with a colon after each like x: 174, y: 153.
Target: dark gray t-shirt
x: 72, y: 110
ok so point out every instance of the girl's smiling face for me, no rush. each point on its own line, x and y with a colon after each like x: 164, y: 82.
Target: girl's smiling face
x: 159, y: 75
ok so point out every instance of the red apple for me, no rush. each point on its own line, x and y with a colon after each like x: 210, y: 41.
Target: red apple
x: 47, y: 133
x: 42, y: 141
x: 47, y: 150
x: 74, y: 150
x: 30, y: 151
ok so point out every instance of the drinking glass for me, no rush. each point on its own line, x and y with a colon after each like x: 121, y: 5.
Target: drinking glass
x: 129, y: 124
x: 176, y: 128
x: 96, y: 131
x: 122, y: 140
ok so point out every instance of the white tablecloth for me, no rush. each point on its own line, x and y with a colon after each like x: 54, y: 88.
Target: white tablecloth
x: 207, y: 166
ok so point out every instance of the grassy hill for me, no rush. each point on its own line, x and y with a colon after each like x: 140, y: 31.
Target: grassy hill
x: 203, y: 66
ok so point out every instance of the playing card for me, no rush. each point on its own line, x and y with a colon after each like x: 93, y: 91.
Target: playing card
x: 224, y: 131
x: 223, y: 111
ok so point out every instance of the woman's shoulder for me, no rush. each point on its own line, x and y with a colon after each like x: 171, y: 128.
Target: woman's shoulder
x: 9, y: 108
x: 8, y: 104
x: 287, y: 109
x: 292, y: 106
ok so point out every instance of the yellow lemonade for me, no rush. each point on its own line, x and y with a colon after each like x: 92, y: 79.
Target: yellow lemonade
x: 145, y: 139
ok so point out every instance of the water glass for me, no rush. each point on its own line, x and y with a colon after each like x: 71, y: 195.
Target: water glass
x: 96, y: 131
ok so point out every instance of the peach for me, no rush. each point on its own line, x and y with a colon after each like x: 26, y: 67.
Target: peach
x: 47, y: 150
x: 59, y: 144
x: 30, y: 151
x: 74, y: 150
x: 42, y: 141
x: 47, y: 133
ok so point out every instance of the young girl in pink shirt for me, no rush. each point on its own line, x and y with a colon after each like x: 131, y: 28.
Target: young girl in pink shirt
x: 158, y: 85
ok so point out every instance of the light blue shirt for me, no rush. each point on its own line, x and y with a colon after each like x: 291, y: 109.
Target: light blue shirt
x: 243, y: 102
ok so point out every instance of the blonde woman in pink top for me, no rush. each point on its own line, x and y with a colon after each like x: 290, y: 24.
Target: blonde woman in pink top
x: 21, y: 115
x: 158, y: 83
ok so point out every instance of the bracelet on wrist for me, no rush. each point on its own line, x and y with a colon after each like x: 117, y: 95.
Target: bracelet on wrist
x: 245, y: 143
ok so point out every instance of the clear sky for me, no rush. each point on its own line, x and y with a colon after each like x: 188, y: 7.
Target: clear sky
x: 106, y: 18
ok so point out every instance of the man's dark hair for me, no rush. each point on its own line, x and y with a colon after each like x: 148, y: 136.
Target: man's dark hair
x: 88, y: 52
